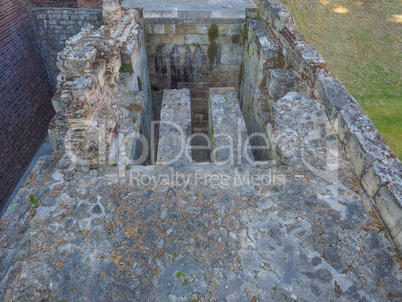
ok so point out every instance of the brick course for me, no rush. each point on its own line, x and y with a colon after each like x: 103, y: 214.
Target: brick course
x: 25, y: 93
x: 67, y: 3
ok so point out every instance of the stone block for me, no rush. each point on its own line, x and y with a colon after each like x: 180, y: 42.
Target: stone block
x: 78, y: 61
x: 201, y: 29
x: 178, y: 39
x: 335, y: 96
x: 236, y: 28
x: 57, y: 131
x: 170, y: 28
x: 388, y: 205
x: 157, y: 29
x: 231, y: 59
x: 185, y: 29
x: 153, y: 39
x: 398, y: 242
x: 99, y: 70
x: 165, y: 39
x: 224, y: 29
x: 236, y: 39
x: 84, y: 86
x: 280, y: 82
x: 193, y: 39
x: 224, y: 39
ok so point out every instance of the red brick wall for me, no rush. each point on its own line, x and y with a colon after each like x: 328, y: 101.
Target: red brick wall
x: 25, y: 93
x: 67, y: 3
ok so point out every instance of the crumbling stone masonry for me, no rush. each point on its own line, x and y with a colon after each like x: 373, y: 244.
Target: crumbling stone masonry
x: 300, y: 223
x: 88, y: 101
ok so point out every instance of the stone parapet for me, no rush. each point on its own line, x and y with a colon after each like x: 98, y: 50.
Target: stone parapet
x: 377, y: 167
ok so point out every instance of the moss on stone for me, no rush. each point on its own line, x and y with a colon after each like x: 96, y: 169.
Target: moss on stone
x: 126, y: 68
x: 213, y: 33
x: 212, y: 52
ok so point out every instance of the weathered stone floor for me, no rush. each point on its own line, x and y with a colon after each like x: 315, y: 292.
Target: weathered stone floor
x: 104, y: 236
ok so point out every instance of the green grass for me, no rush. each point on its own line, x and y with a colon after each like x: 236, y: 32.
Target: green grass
x: 362, y: 47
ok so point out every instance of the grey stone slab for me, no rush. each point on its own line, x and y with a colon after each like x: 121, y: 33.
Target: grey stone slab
x: 228, y: 130
x: 175, y: 128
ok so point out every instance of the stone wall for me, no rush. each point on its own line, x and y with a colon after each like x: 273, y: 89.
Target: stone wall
x: 262, y: 56
x: 56, y: 25
x: 25, y: 93
x: 102, y: 99
x: 177, y: 45
x: 378, y: 169
x: 68, y: 3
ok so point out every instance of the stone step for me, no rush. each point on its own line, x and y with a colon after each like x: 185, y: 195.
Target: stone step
x: 176, y: 108
x: 227, y: 123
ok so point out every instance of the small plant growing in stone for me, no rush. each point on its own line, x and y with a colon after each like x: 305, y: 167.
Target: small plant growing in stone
x: 32, y: 199
x: 127, y: 167
x: 258, y: 17
x: 114, y: 163
x: 274, y: 288
x: 181, y: 277
x: 136, y: 107
x: 126, y: 68
x: 175, y: 254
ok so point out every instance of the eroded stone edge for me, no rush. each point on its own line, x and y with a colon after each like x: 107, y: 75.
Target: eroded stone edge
x: 378, y: 168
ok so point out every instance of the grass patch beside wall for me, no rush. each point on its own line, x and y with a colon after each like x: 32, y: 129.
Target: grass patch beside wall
x: 361, y: 43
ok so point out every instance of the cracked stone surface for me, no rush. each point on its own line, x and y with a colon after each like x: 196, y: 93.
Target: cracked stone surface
x: 173, y: 233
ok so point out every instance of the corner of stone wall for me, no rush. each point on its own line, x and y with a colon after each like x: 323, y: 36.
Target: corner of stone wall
x: 377, y: 167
